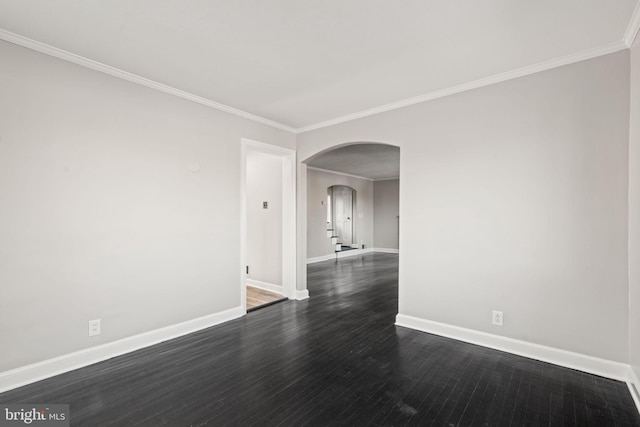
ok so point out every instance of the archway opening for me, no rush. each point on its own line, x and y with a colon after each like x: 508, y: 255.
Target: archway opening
x: 350, y: 205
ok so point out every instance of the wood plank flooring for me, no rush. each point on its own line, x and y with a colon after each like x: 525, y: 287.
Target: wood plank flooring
x: 257, y: 298
x: 333, y: 360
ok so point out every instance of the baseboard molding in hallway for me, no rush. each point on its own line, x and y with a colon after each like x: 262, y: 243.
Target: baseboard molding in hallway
x: 264, y: 285
x: 350, y: 253
x: 34, y: 372
x: 581, y: 362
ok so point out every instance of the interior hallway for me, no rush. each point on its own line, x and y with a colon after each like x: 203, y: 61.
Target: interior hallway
x: 335, y: 359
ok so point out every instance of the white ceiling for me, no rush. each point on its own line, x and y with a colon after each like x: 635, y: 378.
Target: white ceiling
x: 372, y: 161
x: 302, y: 63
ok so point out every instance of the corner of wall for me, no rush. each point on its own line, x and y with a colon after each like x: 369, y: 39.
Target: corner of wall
x: 634, y: 224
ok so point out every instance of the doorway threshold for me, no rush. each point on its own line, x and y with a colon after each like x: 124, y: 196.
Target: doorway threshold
x: 260, y: 298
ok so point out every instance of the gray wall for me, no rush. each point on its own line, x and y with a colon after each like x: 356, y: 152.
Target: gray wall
x: 100, y: 215
x: 264, y: 226
x: 318, y: 244
x: 634, y: 212
x: 514, y: 197
x: 386, y: 210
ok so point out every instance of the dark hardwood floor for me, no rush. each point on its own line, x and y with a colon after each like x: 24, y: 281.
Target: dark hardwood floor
x: 335, y: 359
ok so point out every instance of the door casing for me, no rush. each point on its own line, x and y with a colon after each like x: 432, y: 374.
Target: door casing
x: 288, y: 158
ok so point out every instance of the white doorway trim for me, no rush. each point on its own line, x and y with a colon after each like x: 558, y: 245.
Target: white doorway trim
x: 288, y: 158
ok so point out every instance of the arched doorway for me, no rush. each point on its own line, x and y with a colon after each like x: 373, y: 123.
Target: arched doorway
x: 363, y: 166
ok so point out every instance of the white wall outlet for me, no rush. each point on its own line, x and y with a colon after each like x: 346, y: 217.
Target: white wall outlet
x: 497, y: 318
x: 94, y: 327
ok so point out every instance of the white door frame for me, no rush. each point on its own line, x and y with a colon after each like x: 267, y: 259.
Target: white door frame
x: 288, y: 216
x: 334, y: 214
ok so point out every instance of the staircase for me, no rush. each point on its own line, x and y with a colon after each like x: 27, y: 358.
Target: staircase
x: 338, y: 246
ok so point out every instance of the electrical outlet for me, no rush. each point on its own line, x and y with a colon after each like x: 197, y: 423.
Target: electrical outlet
x: 94, y: 327
x: 497, y: 318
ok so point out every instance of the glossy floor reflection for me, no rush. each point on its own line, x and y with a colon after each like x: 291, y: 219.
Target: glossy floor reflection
x: 335, y: 359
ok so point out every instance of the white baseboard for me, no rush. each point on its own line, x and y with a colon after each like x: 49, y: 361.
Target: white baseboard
x: 264, y: 285
x: 633, y: 382
x: 353, y: 252
x: 386, y: 250
x: 345, y: 254
x: 593, y: 365
x: 48, y: 368
x: 300, y: 295
x: 320, y: 259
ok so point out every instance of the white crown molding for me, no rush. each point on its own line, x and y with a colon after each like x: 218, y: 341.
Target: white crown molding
x: 487, y: 81
x: 48, y: 368
x: 581, y: 362
x: 339, y: 173
x: 633, y: 27
x: 134, y: 78
x: 26, y: 42
x: 387, y: 179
